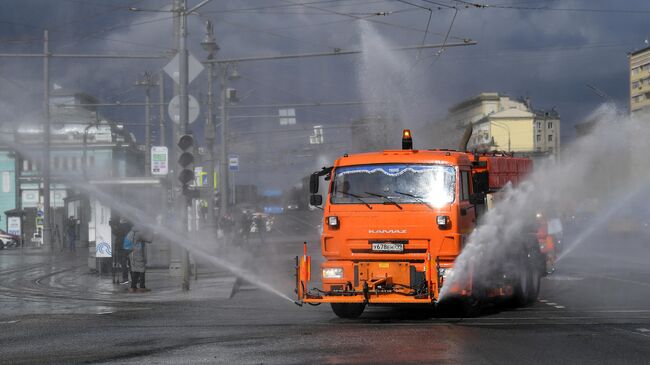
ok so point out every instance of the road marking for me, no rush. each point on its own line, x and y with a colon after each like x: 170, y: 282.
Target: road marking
x: 559, y: 307
x: 564, y: 278
x: 10, y: 322
x: 643, y: 330
x: 620, y: 280
x: 543, y: 300
x: 551, y: 303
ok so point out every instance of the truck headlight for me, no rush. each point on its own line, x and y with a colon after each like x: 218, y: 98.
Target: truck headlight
x: 442, y: 221
x: 333, y: 273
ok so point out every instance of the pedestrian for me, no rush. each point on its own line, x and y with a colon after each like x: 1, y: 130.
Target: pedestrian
x: 71, y: 231
x: 120, y: 229
x: 57, y: 237
x: 261, y: 227
x: 138, y: 256
x: 245, y: 226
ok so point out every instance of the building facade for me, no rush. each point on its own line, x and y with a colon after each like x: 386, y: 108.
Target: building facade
x: 501, y: 124
x: 84, y: 147
x: 639, y: 63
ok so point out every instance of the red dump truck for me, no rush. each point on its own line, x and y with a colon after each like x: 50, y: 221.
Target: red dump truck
x: 396, y: 220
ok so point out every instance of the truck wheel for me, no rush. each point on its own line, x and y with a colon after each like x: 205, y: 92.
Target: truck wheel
x: 348, y: 310
x: 521, y: 289
x: 533, y: 286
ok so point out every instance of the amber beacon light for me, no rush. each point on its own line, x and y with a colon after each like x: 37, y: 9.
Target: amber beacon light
x: 407, y: 141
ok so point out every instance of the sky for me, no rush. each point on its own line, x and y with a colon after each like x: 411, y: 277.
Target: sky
x: 554, y: 52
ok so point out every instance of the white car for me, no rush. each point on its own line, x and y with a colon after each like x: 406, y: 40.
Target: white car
x: 7, y: 240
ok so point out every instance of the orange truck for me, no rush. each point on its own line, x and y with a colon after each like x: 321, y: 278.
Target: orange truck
x: 396, y: 220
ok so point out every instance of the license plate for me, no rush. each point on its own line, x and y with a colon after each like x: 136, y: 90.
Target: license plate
x: 387, y: 247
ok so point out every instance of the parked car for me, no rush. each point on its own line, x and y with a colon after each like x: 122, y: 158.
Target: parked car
x: 8, y: 240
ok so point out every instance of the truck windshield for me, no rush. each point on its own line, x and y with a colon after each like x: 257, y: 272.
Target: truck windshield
x: 400, y: 183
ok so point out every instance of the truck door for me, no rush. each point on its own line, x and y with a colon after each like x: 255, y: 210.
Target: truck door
x: 466, y: 211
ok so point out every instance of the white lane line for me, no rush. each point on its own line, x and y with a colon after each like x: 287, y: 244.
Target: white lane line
x: 551, y: 303
x: 620, y: 280
x: 643, y: 330
x: 560, y: 307
x: 543, y: 300
x: 10, y: 322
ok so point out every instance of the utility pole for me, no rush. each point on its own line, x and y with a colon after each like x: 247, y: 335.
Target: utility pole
x: 210, y: 45
x: 47, y: 218
x: 184, y: 126
x: 183, y: 81
x: 148, y: 82
x: 161, y: 110
x: 223, y: 147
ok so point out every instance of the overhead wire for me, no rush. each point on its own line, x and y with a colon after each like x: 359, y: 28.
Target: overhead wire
x: 370, y: 20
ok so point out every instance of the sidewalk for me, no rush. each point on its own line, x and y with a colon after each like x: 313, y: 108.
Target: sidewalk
x: 65, y: 274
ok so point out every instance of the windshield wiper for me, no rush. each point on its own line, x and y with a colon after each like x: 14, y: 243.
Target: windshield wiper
x: 355, y: 196
x: 418, y: 198
x: 384, y: 197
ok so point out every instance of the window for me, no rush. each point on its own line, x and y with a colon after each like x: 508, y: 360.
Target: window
x: 636, y: 99
x: 550, y: 138
x: 539, y: 125
x: 647, y: 95
x: 464, y: 185
x: 635, y: 84
x: 401, y: 183
x: 57, y: 162
x: 635, y: 71
x: 74, y: 163
x: 550, y: 125
x: 25, y: 165
x: 539, y: 138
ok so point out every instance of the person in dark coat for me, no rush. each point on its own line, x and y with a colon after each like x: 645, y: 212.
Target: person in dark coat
x: 120, y: 229
x: 140, y: 237
x: 71, y: 231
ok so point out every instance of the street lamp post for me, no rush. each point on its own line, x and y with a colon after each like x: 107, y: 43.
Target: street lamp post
x: 148, y: 82
x: 210, y: 45
x: 47, y: 219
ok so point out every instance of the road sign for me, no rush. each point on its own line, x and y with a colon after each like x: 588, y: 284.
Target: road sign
x: 174, y: 109
x: 194, y: 68
x: 233, y: 162
x: 159, y: 160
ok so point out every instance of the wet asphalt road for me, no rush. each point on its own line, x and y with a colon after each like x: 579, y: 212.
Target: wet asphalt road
x: 594, y: 310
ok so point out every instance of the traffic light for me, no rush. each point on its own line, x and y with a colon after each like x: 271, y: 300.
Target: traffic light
x: 186, y: 159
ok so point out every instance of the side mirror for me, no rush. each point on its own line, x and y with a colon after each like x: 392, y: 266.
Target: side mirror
x: 316, y: 200
x: 477, y: 199
x: 313, y: 183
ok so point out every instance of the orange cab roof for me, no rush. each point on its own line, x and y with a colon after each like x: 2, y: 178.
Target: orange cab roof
x: 453, y: 158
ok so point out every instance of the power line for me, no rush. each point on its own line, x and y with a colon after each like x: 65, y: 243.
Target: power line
x: 546, y: 8
x: 369, y: 20
x: 282, y: 6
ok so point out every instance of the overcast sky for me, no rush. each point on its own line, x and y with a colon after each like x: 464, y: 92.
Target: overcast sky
x: 546, y: 50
